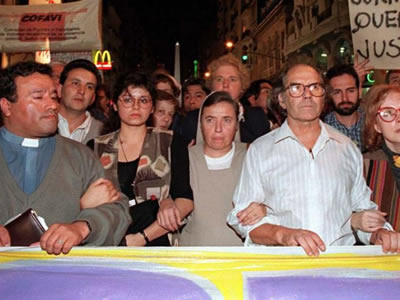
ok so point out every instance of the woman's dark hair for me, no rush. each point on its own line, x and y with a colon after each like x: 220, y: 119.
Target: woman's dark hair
x: 136, y: 80
x: 219, y: 97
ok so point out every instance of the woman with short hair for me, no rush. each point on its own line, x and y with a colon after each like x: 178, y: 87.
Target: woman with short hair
x: 228, y: 74
x: 147, y: 164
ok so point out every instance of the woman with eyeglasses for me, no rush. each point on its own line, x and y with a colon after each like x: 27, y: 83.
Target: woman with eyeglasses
x: 382, y: 139
x: 144, y: 162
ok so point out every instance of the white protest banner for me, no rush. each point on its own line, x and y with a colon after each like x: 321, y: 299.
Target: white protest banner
x: 375, y: 27
x: 36, y: 2
x: 67, y: 27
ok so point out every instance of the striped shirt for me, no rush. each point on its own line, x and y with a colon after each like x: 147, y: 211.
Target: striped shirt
x: 315, y: 189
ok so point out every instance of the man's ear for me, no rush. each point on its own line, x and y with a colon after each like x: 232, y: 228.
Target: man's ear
x: 59, y: 88
x: 93, y: 98
x: 281, y: 101
x: 252, y: 100
x: 5, y: 107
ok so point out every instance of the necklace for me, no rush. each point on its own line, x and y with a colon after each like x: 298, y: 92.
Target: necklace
x: 132, y: 201
x: 123, y: 150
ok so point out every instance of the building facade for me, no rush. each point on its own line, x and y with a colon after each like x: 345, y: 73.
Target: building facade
x: 276, y: 34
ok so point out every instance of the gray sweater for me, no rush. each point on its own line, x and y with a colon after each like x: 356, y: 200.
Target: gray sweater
x: 72, y: 169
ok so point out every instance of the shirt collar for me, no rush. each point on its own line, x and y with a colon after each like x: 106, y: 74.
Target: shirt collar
x: 84, y: 125
x: 24, y: 142
x: 327, y: 133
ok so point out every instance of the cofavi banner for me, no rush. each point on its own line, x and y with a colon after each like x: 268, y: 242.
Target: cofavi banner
x: 199, y: 273
x: 57, y: 27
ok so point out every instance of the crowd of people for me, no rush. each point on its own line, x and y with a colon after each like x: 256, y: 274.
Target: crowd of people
x: 303, y: 160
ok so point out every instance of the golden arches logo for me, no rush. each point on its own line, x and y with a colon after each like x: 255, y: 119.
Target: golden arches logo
x: 102, y: 60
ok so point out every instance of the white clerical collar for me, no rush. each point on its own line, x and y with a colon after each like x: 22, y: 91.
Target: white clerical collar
x: 31, y: 143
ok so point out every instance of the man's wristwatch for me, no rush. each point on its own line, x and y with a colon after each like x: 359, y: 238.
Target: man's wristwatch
x: 143, y: 234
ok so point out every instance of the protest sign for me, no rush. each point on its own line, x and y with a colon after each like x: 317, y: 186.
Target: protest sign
x: 62, y: 27
x: 375, y: 27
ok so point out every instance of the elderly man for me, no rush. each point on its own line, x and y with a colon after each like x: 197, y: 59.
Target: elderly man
x: 53, y: 175
x: 309, y: 176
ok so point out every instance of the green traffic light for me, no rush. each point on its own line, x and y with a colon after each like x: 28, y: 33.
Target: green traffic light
x: 244, y: 57
x: 370, y: 77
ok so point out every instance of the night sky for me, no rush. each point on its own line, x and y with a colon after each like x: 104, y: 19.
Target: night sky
x: 192, y: 23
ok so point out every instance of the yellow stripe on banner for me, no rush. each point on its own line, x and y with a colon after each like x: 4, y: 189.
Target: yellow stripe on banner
x: 224, y: 269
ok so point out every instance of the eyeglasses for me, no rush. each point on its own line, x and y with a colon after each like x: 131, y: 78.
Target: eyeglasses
x: 388, y: 114
x: 297, y: 89
x: 128, y: 101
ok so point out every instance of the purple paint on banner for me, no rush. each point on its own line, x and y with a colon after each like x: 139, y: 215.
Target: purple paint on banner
x: 317, y: 287
x: 86, y: 282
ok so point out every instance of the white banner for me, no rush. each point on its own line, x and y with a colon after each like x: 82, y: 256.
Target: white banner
x: 66, y: 27
x: 375, y: 27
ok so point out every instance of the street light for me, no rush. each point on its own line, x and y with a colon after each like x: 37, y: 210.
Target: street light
x: 229, y: 45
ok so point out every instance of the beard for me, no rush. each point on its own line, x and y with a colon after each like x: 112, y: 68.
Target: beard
x: 346, y: 108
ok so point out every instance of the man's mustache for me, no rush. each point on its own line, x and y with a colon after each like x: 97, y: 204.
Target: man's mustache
x: 346, y: 103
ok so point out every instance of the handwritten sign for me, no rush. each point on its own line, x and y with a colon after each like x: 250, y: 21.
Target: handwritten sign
x: 375, y: 27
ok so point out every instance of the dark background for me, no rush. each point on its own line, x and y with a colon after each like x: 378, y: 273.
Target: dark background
x: 151, y: 28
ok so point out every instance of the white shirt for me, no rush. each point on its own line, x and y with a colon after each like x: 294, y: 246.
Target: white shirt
x: 79, y: 133
x: 315, y: 190
x: 220, y: 163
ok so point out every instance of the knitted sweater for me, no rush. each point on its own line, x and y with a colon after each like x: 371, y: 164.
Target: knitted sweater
x: 72, y: 169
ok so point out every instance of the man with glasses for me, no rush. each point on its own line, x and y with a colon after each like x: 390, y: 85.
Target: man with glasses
x: 77, y: 91
x: 344, y: 95
x: 315, y: 180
